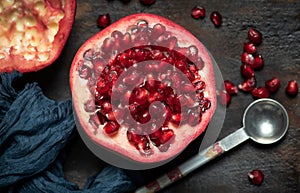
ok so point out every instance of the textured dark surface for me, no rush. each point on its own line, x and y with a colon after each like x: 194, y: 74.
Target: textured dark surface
x: 279, y: 22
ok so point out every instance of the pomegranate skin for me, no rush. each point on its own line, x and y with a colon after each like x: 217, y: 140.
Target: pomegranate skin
x: 119, y: 143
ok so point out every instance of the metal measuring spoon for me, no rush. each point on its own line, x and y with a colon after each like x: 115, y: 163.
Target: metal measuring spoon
x: 265, y: 121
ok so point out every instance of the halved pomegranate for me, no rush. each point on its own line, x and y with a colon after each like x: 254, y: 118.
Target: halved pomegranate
x: 149, y: 82
x: 33, y: 33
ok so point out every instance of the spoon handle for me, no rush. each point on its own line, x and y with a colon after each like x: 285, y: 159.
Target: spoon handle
x: 196, y: 161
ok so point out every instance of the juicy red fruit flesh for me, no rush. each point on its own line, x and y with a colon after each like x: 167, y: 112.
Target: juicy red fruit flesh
x: 260, y: 92
x: 147, y: 2
x: 272, y: 84
x: 230, y: 87
x: 198, y: 12
x: 248, y: 84
x: 256, y: 177
x: 103, y: 20
x: 250, y: 48
x: 254, y: 36
x: 216, y: 18
x: 292, y: 88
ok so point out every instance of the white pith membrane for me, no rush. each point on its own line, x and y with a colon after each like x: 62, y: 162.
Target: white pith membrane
x: 28, y: 29
x: 118, y: 143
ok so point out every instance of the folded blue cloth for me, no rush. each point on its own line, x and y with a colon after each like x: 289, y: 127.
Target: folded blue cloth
x: 33, y: 131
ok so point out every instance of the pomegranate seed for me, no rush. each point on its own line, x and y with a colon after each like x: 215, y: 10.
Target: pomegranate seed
x: 140, y: 142
x: 258, y: 62
x: 260, y: 92
x: 247, y: 59
x: 273, y: 84
x: 194, y: 117
x: 111, y: 127
x: 250, y: 48
x: 292, y: 88
x: 225, y: 98
x: 230, y: 87
x: 147, y: 2
x: 198, y: 12
x: 248, y: 85
x: 216, y: 18
x: 256, y: 177
x: 103, y: 20
x: 247, y: 71
x: 139, y: 96
x: 255, y: 36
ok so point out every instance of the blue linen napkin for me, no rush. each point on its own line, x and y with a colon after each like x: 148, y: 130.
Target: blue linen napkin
x: 33, y: 132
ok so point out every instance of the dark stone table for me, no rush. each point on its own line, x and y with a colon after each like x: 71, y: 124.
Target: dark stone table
x: 279, y: 22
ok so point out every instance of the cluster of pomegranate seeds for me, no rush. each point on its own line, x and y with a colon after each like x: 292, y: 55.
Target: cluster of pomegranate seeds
x: 256, y: 177
x: 167, y: 74
x: 103, y: 20
x: 198, y: 12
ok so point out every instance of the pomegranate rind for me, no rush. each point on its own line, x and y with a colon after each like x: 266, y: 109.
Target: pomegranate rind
x: 19, y: 63
x: 119, y: 143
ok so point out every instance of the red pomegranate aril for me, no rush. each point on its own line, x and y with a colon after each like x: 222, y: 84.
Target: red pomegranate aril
x: 198, y: 12
x: 111, y: 127
x: 260, y: 92
x: 272, y: 84
x: 147, y: 2
x: 225, y: 98
x: 105, y: 106
x: 230, y: 88
x: 103, y: 20
x: 250, y: 48
x: 247, y: 59
x: 248, y: 85
x: 143, y: 116
x: 256, y: 177
x: 258, y: 62
x: 292, y: 88
x: 247, y: 71
x: 140, y: 142
x: 216, y: 18
x: 102, y: 118
x: 254, y: 36
x: 139, y: 95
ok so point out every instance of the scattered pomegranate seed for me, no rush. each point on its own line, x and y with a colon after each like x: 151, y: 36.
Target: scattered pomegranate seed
x: 256, y: 177
x: 198, y: 12
x: 103, y: 20
x: 250, y: 48
x: 230, y: 87
x: 255, y: 36
x: 247, y: 58
x: 292, y: 88
x: 258, y: 62
x: 248, y: 85
x: 147, y: 2
x: 247, y: 71
x: 216, y: 18
x: 225, y: 98
x: 260, y: 92
x: 273, y: 84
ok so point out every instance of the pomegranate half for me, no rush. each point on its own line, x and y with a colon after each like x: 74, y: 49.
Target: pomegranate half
x: 33, y: 33
x: 143, y: 88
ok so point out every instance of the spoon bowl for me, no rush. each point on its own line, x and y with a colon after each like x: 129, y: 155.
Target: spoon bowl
x: 265, y: 121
